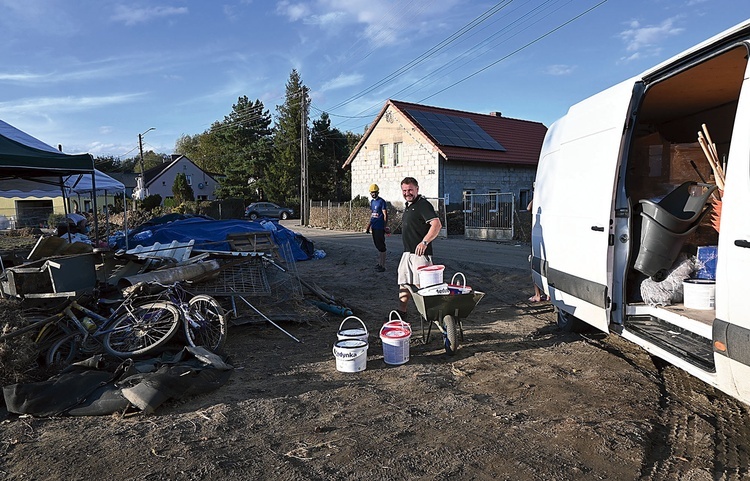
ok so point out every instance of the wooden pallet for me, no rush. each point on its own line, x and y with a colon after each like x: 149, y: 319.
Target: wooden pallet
x: 261, y: 242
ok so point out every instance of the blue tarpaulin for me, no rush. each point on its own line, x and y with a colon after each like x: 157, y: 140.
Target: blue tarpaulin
x: 210, y: 234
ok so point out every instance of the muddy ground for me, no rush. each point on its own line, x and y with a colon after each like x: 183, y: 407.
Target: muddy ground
x: 519, y: 401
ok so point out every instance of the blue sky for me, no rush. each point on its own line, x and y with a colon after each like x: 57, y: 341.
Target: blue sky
x: 93, y: 74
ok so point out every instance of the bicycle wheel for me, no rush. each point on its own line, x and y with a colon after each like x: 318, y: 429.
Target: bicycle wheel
x: 206, y: 323
x: 63, y: 352
x: 143, y: 330
x: 451, y: 334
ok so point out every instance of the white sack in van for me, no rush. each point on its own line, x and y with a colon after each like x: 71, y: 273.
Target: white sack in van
x: 669, y: 291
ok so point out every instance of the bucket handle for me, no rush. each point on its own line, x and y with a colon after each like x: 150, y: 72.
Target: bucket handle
x: 453, y: 279
x: 398, y: 317
x: 353, y: 317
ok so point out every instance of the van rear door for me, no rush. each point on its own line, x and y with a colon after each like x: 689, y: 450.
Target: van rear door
x: 573, y: 204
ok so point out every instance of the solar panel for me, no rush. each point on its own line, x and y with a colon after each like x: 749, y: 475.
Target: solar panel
x: 451, y: 130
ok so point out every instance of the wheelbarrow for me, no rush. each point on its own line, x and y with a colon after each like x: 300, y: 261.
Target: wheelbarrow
x: 444, y: 311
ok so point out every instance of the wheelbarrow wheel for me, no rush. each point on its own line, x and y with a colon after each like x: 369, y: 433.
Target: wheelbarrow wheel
x: 450, y: 335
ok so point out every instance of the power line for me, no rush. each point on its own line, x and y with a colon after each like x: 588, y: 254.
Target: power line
x: 548, y: 33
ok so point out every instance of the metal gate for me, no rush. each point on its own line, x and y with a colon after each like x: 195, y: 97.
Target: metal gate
x: 489, y: 216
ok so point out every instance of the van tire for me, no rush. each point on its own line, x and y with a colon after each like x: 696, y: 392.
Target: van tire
x: 567, y: 322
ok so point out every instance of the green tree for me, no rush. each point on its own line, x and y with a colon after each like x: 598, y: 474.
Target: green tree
x: 328, y: 149
x: 205, y: 150
x: 281, y: 178
x: 181, y: 190
x: 245, y: 141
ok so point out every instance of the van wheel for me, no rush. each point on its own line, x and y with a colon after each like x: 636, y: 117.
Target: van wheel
x: 567, y: 322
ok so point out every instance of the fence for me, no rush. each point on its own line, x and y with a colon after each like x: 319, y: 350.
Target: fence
x: 350, y: 217
x: 489, y: 216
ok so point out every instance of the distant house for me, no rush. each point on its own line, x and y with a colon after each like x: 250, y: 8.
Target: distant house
x: 450, y: 153
x: 160, y: 179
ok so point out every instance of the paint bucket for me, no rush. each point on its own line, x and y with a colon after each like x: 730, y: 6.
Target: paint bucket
x: 430, y: 275
x: 699, y: 294
x: 351, y: 355
x: 395, y: 336
x: 456, y: 288
x: 436, y: 290
x: 359, y: 333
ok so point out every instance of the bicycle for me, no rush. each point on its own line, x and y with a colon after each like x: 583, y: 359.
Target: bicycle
x: 133, y: 329
x: 204, y: 320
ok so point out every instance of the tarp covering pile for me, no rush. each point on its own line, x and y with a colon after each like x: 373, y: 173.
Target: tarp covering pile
x: 97, y: 387
x: 210, y: 234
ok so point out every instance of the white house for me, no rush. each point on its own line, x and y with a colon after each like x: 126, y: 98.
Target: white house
x: 160, y: 179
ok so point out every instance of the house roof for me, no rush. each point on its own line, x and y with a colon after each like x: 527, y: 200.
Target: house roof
x: 468, y: 136
x: 154, y: 172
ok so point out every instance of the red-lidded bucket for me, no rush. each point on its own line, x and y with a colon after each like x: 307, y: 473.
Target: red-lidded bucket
x: 395, y: 336
x: 458, y: 288
x: 430, y: 275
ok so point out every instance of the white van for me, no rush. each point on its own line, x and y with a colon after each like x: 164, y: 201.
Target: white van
x: 626, y: 196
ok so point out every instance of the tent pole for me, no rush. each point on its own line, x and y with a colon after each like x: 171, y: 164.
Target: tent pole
x: 96, y: 211
x: 125, y: 219
x: 66, y: 209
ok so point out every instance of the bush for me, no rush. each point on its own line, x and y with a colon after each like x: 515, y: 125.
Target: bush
x: 151, y: 202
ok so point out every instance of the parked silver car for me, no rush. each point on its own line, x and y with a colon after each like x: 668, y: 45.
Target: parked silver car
x: 267, y: 209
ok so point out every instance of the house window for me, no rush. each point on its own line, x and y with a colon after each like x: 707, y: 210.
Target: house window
x: 468, y: 195
x: 189, y: 179
x: 493, y: 198
x: 383, y: 151
x: 397, y: 153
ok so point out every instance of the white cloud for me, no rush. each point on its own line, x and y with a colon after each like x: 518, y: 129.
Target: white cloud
x: 293, y: 11
x: 132, y: 16
x: 639, y: 38
x: 68, y: 104
x: 342, y: 81
x: 558, y: 70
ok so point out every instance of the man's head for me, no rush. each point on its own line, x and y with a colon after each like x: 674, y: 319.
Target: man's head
x: 409, y: 188
x: 374, y: 190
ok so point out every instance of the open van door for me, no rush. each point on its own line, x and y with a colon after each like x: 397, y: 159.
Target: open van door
x: 572, y: 234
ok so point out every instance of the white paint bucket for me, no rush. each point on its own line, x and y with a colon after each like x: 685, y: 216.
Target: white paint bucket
x: 359, y: 333
x: 430, y: 275
x: 699, y: 294
x: 436, y: 290
x: 351, y: 355
x: 395, y: 336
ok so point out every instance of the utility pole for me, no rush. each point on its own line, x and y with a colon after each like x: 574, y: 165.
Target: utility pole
x: 304, y: 194
x: 143, y: 169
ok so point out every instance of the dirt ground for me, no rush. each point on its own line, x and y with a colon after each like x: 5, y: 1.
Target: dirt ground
x: 519, y: 401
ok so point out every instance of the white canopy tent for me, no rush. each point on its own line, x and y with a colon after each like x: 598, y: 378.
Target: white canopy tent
x: 50, y: 186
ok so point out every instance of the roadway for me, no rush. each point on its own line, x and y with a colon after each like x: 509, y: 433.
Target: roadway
x: 455, y: 248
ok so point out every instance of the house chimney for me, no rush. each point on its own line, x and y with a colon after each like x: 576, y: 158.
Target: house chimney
x: 496, y: 114
x: 174, y: 157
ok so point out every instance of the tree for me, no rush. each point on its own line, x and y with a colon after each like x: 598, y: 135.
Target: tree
x: 328, y: 150
x: 281, y: 178
x: 181, y: 190
x: 245, y: 143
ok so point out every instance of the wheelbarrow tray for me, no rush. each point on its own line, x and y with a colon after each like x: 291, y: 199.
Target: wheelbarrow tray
x: 432, y: 308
